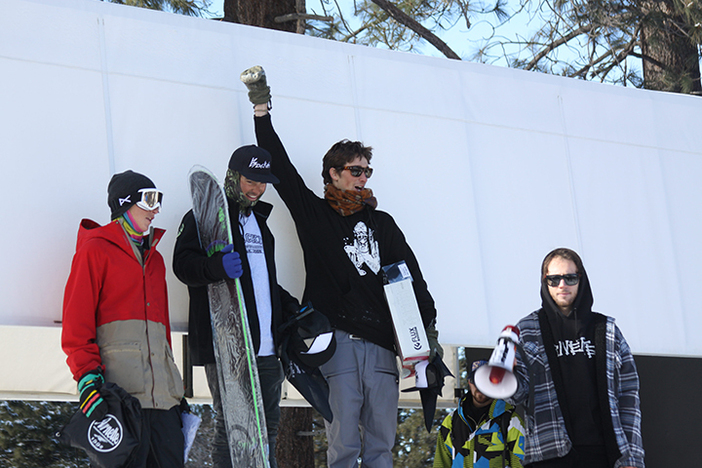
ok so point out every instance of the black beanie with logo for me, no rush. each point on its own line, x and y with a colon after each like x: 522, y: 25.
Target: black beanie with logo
x: 123, y: 191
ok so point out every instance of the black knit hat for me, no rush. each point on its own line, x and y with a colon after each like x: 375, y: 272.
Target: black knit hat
x: 254, y: 163
x: 123, y: 191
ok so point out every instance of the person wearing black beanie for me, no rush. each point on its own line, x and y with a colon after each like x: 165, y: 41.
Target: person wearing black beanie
x: 123, y: 191
x: 116, y: 325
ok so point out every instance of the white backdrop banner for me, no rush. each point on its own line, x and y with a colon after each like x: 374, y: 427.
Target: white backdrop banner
x: 486, y: 169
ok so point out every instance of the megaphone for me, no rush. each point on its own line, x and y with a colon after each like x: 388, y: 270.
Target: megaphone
x: 495, y: 379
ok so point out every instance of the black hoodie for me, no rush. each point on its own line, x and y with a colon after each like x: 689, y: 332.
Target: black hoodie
x: 571, y: 344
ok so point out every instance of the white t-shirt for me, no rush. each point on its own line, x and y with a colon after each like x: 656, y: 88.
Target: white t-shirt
x: 259, y: 275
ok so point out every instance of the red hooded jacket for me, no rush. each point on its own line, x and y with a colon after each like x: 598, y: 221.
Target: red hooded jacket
x: 115, y: 315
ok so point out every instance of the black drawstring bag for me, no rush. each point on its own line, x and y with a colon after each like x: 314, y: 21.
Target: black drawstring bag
x: 111, y: 441
x: 301, y: 367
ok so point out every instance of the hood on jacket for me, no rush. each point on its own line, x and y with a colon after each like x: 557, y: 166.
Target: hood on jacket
x: 582, y: 307
x: 111, y: 232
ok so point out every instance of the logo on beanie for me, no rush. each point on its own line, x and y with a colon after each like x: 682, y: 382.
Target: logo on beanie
x: 105, y: 435
x: 122, y: 201
x: 254, y: 164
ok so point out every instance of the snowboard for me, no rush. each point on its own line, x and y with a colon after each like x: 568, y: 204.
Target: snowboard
x: 240, y: 390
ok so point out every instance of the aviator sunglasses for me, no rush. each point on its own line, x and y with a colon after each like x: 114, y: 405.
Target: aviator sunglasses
x: 150, y: 199
x: 356, y: 171
x: 570, y: 280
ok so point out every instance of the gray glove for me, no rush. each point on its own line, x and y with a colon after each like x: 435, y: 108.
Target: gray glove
x: 255, y: 80
x: 433, y: 337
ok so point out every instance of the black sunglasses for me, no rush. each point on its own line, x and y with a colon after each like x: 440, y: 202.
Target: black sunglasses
x: 356, y: 171
x: 570, y: 280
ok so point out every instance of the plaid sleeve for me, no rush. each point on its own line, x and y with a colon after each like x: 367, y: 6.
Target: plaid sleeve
x: 624, y: 398
x: 546, y: 433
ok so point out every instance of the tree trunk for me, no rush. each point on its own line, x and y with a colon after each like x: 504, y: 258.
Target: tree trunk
x: 295, y: 445
x: 670, y: 58
x: 262, y: 13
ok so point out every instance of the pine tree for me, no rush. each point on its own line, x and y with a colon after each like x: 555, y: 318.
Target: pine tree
x: 414, y: 446
x: 28, y: 435
x: 645, y: 43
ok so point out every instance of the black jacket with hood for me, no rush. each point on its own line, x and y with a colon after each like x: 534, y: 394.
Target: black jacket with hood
x: 575, y: 348
x: 192, y: 266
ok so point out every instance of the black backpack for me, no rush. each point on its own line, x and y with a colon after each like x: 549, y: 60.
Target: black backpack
x: 111, y: 441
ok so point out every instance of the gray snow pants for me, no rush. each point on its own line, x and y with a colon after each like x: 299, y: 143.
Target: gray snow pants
x: 363, y: 395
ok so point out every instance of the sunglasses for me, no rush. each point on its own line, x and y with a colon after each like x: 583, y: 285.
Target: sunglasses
x: 356, y: 171
x: 150, y: 199
x: 570, y: 280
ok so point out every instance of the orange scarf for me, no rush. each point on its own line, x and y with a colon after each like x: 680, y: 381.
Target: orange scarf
x: 347, y: 202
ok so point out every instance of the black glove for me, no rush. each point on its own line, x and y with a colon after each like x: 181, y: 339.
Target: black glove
x: 91, y: 402
x: 184, y: 406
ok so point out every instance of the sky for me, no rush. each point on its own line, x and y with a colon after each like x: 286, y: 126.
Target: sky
x: 217, y: 7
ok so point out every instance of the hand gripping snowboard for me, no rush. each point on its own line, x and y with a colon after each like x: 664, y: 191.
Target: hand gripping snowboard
x: 242, y: 403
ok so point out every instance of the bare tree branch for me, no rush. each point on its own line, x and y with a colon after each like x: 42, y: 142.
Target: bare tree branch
x: 354, y: 33
x: 305, y: 16
x: 648, y: 58
x: 557, y: 43
x: 406, y: 20
x: 592, y: 63
x: 617, y: 60
x: 341, y: 16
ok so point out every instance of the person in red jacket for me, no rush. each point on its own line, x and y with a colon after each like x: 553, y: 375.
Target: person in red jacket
x: 116, y: 325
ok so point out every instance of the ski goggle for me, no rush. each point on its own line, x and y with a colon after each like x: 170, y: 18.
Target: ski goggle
x: 570, y: 280
x: 150, y: 199
x: 356, y: 171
